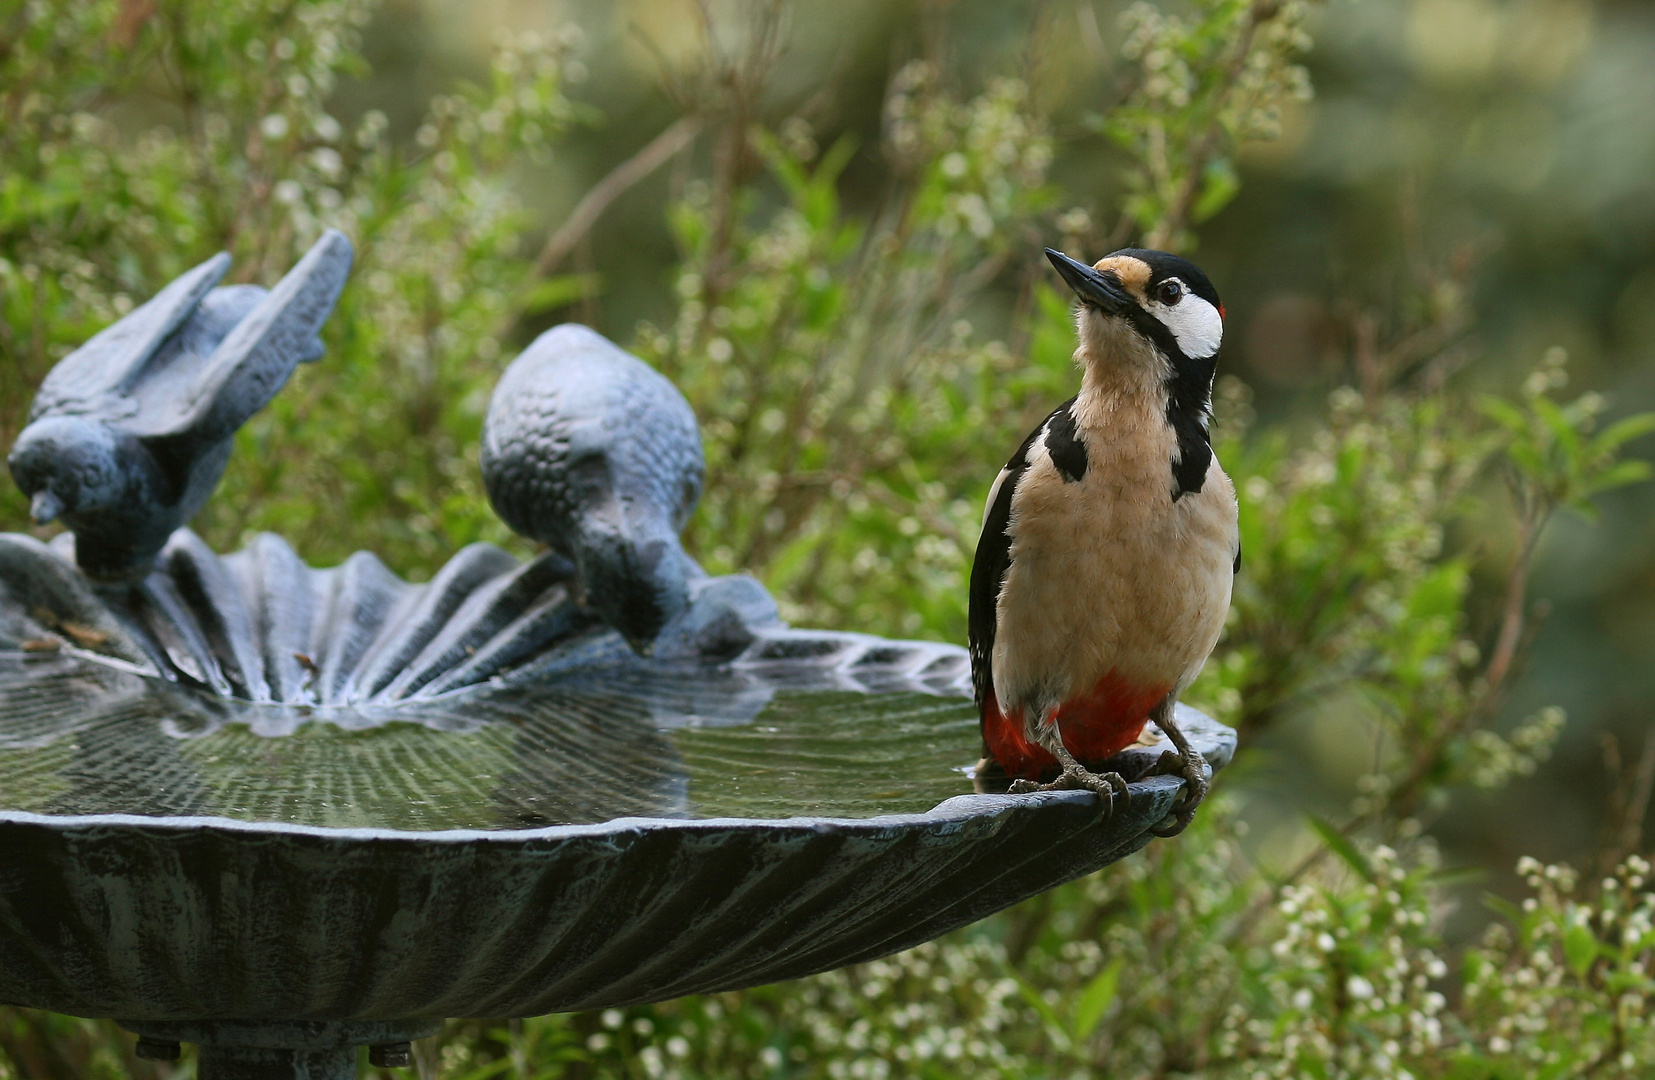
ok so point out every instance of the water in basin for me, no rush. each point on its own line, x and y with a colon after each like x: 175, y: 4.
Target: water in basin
x: 78, y: 737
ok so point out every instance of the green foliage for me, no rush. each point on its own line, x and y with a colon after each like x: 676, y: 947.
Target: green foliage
x: 1563, y: 986
x: 860, y: 373
x: 1557, y: 459
x: 95, y: 217
x: 1206, y: 82
x: 36, y: 1044
x: 1342, y: 540
x: 851, y: 420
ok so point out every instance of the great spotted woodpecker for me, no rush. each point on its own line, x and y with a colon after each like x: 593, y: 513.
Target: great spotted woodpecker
x: 1110, y: 543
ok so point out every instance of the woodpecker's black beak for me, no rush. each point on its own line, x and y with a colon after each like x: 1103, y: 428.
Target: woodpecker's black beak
x: 1102, y: 291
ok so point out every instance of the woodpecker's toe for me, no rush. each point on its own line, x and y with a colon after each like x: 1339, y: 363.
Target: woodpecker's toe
x: 1193, y: 768
x: 1174, y: 823
x: 1109, y: 787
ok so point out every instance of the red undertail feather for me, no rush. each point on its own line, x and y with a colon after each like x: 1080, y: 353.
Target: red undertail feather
x: 1095, y: 726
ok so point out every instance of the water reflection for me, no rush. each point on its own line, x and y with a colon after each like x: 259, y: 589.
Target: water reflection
x: 632, y: 741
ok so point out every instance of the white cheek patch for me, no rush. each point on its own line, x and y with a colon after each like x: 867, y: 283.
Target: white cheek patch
x: 1195, y: 324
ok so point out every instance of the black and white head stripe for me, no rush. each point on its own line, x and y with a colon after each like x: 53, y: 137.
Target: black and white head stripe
x: 1170, y: 304
x: 1181, y: 313
x: 1182, y: 299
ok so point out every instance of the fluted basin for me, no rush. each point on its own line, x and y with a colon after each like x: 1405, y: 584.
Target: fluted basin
x: 620, y: 834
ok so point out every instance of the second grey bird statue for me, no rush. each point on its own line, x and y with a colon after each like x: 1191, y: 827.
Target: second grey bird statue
x: 593, y: 452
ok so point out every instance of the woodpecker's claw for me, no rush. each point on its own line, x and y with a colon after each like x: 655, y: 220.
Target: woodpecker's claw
x: 1109, y: 787
x: 1191, y: 766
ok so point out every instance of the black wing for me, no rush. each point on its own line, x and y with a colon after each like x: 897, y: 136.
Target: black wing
x: 993, y: 559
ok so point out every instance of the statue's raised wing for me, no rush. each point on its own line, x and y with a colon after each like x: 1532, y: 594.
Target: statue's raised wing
x: 254, y: 361
x: 96, y: 379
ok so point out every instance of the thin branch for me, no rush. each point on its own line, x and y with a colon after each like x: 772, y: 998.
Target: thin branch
x: 1512, y: 621
x: 622, y: 178
x: 1638, y: 805
x: 1628, y: 803
x: 1178, y: 210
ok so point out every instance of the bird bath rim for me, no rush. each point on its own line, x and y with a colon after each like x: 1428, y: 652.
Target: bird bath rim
x: 971, y: 804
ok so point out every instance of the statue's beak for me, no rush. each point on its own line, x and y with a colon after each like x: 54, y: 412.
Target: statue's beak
x: 634, y: 577
x: 45, y: 506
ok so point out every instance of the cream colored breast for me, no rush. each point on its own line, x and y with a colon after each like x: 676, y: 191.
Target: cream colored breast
x: 1109, y: 574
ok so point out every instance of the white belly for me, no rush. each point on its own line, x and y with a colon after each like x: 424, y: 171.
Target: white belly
x: 1109, y: 575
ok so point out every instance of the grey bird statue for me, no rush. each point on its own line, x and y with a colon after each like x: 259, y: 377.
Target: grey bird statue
x: 593, y: 452
x: 129, y: 434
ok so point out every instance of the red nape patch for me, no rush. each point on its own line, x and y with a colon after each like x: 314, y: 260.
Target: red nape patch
x: 1095, y: 726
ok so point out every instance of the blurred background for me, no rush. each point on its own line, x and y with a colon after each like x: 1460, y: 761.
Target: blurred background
x: 1465, y: 185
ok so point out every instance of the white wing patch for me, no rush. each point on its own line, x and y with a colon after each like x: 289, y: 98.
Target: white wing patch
x: 1036, y: 448
x: 1196, y: 324
x: 993, y: 493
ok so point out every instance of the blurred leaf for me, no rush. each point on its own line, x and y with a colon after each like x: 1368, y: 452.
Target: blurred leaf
x: 1617, y: 475
x: 1341, y: 846
x: 1504, y: 413
x: 1219, y: 185
x: 1621, y: 432
x: 1096, y: 999
x: 1031, y: 995
x: 558, y: 291
x: 1504, y: 908
x: 1580, y: 948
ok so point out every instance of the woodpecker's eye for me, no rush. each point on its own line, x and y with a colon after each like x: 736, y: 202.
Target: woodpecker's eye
x: 1169, y: 292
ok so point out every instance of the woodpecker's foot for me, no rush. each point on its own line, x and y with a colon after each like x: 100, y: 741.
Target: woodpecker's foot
x: 1192, y: 767
x: 1109, y: 787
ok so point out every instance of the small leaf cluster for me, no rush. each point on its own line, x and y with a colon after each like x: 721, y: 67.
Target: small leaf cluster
x: 1206, y: 82
x: 1563, y: 985
x: 1557, y: 458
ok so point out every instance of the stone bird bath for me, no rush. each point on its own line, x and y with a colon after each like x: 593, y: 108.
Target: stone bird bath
x: 283, y: 812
